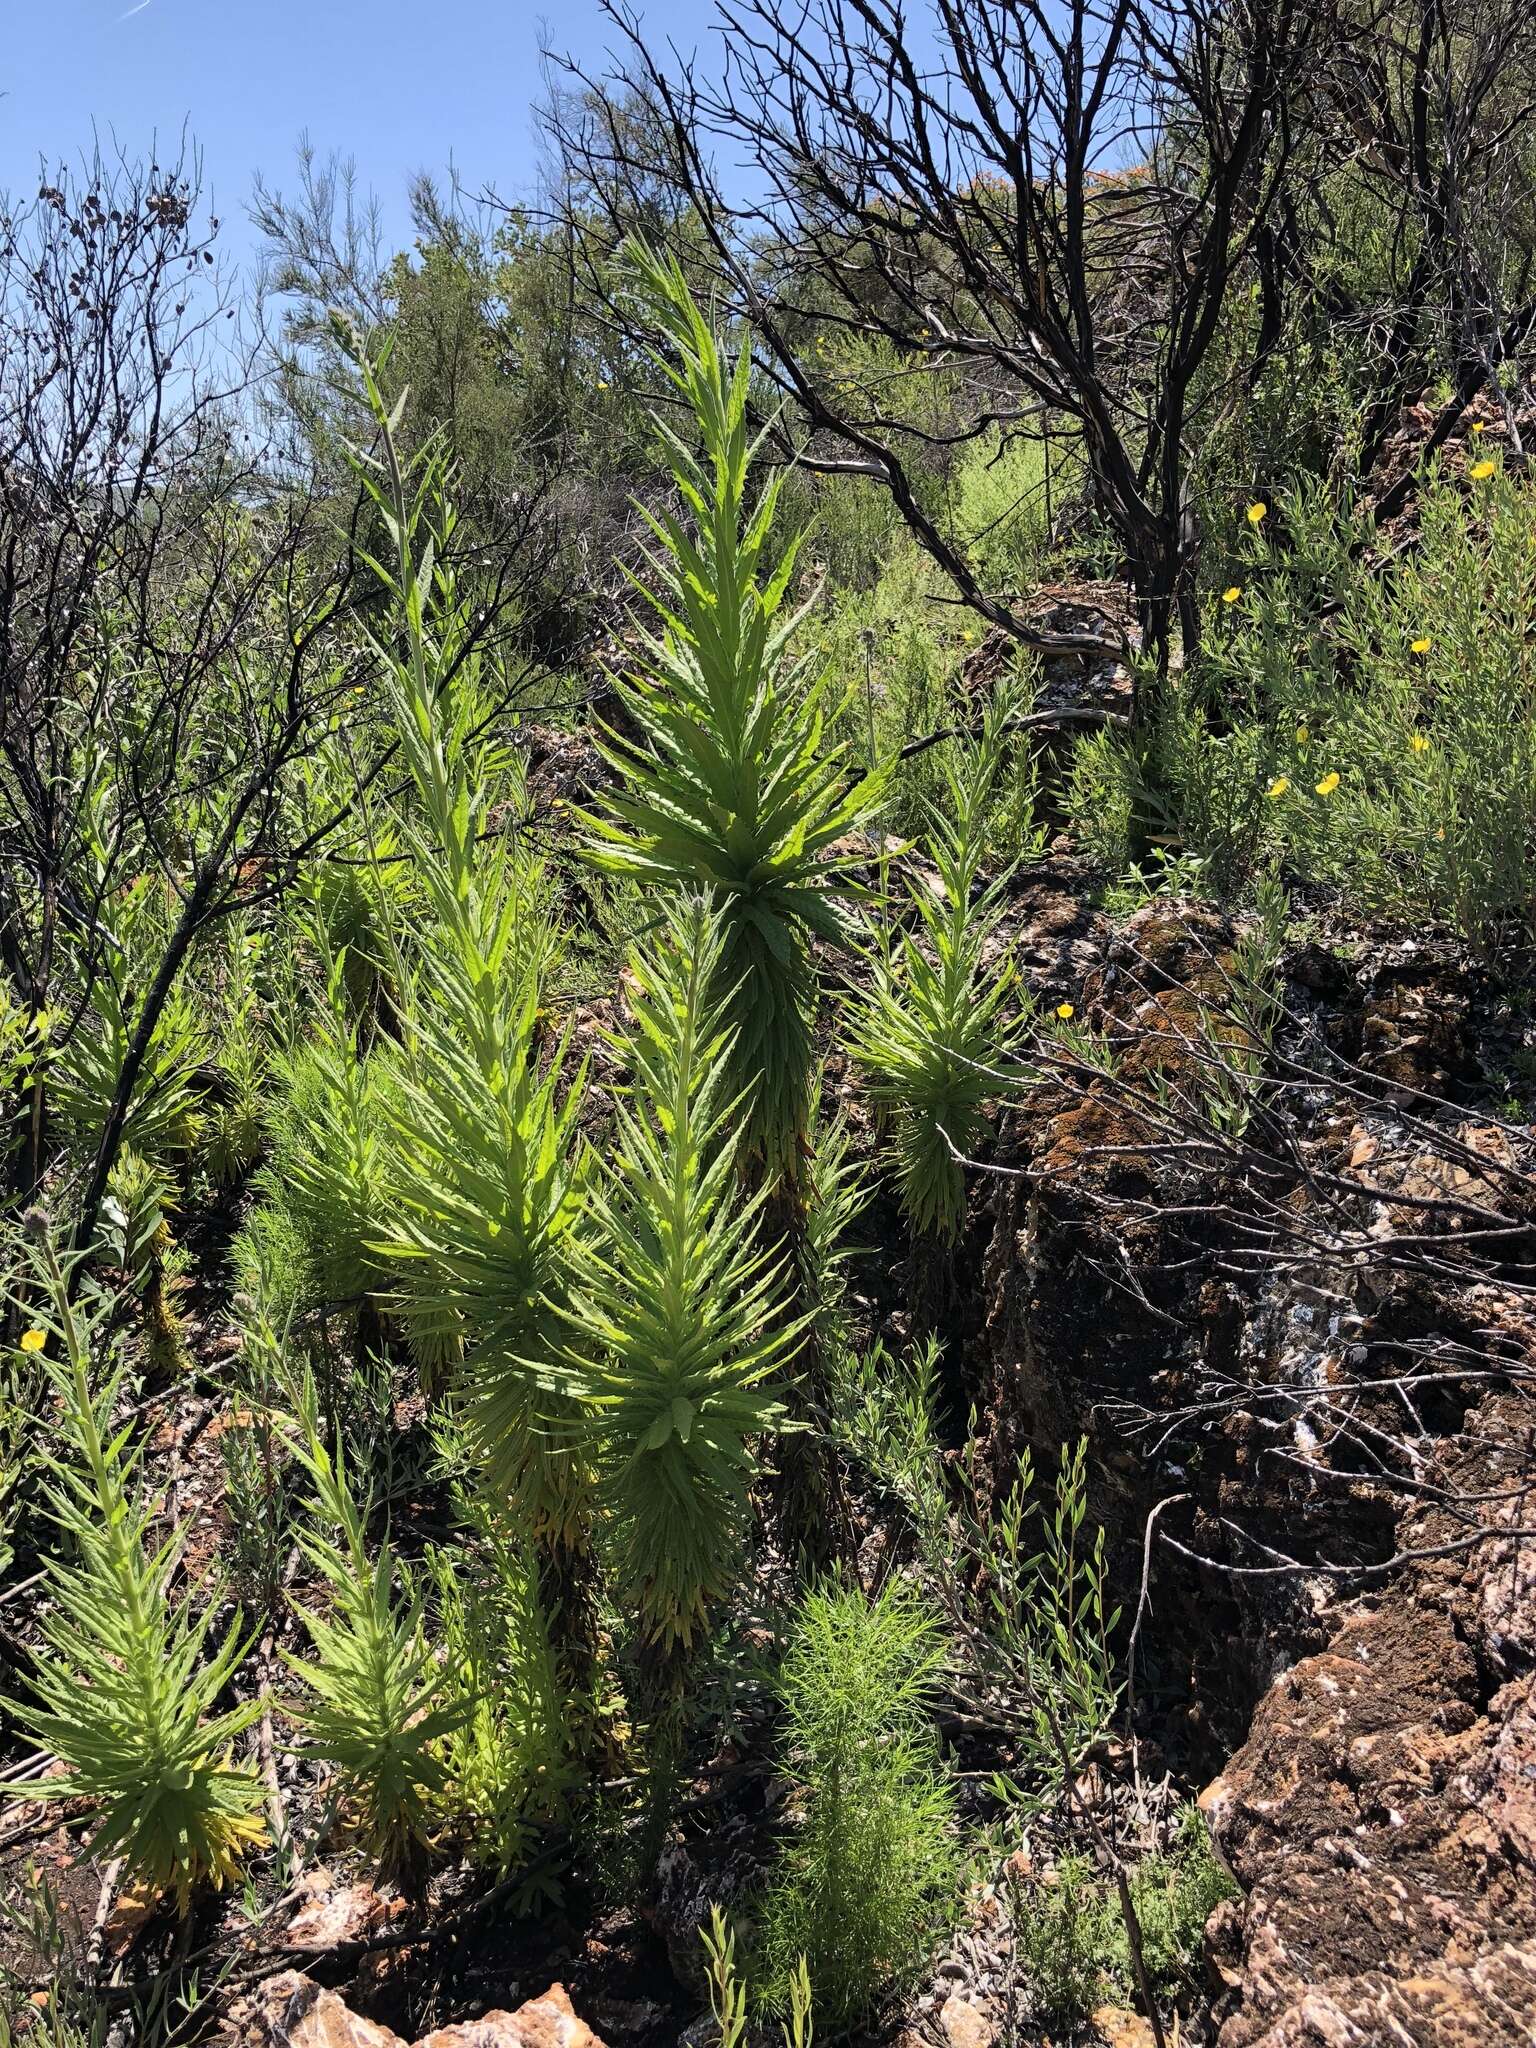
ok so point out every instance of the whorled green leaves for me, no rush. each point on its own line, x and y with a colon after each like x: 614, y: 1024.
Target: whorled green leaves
x: 678, y: 1331
x: 729, y: 784
x: 126, y: 1688
x: 933, y: 1015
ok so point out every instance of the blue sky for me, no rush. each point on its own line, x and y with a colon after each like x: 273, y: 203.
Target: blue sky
x: 401, y: 85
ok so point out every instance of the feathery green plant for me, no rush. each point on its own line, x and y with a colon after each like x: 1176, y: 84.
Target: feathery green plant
x: 680, y: 1316
x: 865, y: 1881
x: 126, y: 1687
x: 379, y: 1706
x: 933, y: 1021
x: 332, y: 1155
x: 729, y: 785
x: 234, y: 1137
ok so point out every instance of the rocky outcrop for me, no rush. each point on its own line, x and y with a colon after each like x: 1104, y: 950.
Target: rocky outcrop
x: 1381, y: 1816
x: 291, y: 2011
x: 1312, y: 1353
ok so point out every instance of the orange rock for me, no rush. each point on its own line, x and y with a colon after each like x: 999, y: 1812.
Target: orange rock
x: 547, y: 2022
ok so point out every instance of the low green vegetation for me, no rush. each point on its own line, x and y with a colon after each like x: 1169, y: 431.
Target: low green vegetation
x: 870, y: 1872
x: 1072, y: 1946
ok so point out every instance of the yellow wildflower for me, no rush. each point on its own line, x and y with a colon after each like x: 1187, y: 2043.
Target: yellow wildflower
x: 1258, y: 513
x: 1302, y: 735
x: 1477, y: 426
x: 1421, y: 646
x: 1419, y: 743
x: 602, y: 383
x: 1232, y: 593
x: 33, y: 1340
x: 1279, y: 786
x: 1064, y: 1011
x: 1480, y: 471
x: 1329, y: 783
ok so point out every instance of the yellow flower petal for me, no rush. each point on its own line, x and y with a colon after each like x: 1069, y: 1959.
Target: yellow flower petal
x: 1419, y: 743
x: 1302, y: 735
x: 1064, y: 1011
x: 1329, y: 783
x: 1477, y: 426
x: 1258, y: 513
x: 1279, y: 786
x: 1421, y: 646
x: 1232, y: 593
x: 33, y: 1340
x: 1480, y: 471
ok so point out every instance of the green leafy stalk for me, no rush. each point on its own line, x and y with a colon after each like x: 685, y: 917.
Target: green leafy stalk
x: 729, y: 785
x: 679, y: 1315
x: 378, y: 1706
x: 126, y: 1687
x: 487, y: 1182
x: 932, y: 1023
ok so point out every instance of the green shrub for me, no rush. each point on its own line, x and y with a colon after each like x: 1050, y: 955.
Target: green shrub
x: 871, y: 1870
x: 378, y: 1706
x: 483, y: 1113
x: 1072, y: 1942
x: 1042, y: 1636
x: 1066, y: 1934
x: 165, y: 1116
x: 1174, y: 1894
x: 1381, y: 714
x: 882, y: 1416
x: 1406, y: 737
x: 506, y: 1752
x: 1002, y: 493
x: 889, y: 667
x: 679, y: 1319
x: 325, y: 1187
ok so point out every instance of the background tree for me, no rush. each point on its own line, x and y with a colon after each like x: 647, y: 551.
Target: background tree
x: 163, y: 615
x: 1055, y: 203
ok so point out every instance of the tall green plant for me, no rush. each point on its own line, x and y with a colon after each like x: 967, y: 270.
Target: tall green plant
x: 508, y: 1756
x: 126, y: 1688
x: 679, y: 1318
x: 330, y: 1170
x: 728, y: 784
